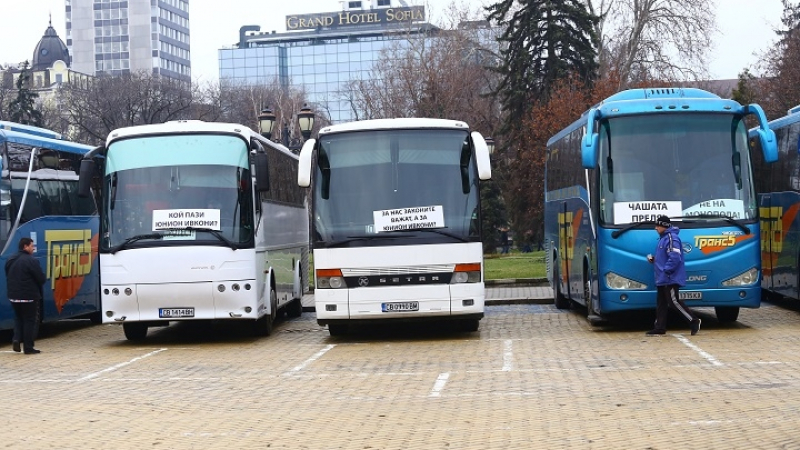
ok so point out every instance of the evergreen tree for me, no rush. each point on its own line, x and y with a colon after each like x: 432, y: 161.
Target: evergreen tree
x: 543, y: 41
x: 23, y: 108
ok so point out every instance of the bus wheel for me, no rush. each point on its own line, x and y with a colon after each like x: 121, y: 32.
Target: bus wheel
x: 266, y: 324
x: 135, y: 331
x: 587, y: 294
x: 559, y: 300
x: 295, y: 308
x: 337, y: 329
x: 727, y: 314
x: 469, y: 325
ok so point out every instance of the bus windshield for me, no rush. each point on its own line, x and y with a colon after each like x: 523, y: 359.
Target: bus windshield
x: 167, y: 189
x: 419, y: 184
x: 678, y: 165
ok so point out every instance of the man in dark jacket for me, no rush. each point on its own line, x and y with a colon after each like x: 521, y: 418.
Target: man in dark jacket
x: 25, y: 278
x: 670, y: 273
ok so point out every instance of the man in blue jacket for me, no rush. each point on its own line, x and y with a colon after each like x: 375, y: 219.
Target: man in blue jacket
x: 670, y: 273
x: 24, y: 279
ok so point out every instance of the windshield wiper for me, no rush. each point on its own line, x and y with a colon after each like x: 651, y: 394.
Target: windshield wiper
x: 357, y: 238
x: 213, y: 232
x: 617, y: 233
x: 133, y: 239
x: 734, y: 222
x: 433, y: 230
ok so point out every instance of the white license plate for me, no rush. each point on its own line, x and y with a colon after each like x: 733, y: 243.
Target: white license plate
x: 690, y: 295
x: 399, y: 306
x: 168, y: 313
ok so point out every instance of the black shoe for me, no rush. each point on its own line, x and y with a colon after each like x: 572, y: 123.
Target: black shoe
x: 655, y: 332
x: 15, y: 346
x: 695, y: 326
x: 32, y: 351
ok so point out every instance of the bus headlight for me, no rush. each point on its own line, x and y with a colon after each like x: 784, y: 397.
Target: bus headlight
x: 330, y: 279
x: 615, y: 281
x: 466, y: 273
x: 745, y: 279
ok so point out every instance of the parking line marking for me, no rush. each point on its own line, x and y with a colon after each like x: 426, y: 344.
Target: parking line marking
x: 439, y: 385
x: 313, y: 358
x: 699, y: 350
x: 508, y: 356
x: 120, y: 365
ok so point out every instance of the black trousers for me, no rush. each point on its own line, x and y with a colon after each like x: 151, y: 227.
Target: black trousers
x: 26, y: 322
x: 668, y: 298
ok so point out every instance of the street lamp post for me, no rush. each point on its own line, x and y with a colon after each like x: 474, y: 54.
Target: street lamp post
x: 305, y: 118
x: 266, y: 120
x: 490, y: 144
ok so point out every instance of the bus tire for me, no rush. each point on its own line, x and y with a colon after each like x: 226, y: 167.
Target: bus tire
x: 135, y: 331
x: 337, y: 329
x: 265, y: 325
x: 469, y: 325
x: 559, y: 300
x: 727, y: 314
x: 295, y: 308
x: 587, y: 293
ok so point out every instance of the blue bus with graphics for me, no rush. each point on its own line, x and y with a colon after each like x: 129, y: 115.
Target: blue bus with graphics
x: 778, y: 188
x: 638, y: 154
x: 39, y: 199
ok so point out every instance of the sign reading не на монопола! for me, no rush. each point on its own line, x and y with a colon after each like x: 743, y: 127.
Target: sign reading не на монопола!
x: 340, y: 19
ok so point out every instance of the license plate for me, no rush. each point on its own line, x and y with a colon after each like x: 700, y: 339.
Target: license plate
x: 168, y: 313
x: 399, y: 306
x: 690, y: 295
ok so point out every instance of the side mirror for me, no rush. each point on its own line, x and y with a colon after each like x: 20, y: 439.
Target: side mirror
x: 304, y: 169
x: 481, y: 156
x: 262, y: 171
x: 766, y: 137
x: 85, y: 178
x: 589, y: 142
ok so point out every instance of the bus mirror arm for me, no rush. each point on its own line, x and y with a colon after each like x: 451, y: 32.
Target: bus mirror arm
x: 766, y: 136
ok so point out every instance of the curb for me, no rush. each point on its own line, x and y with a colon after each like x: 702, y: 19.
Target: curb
x: 539, y: 282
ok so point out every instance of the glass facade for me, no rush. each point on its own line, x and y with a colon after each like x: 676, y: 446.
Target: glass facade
x: 323, y: 65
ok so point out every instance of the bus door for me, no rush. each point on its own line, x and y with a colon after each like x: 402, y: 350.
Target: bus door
x: 565, y: 243
x: 771, y: 237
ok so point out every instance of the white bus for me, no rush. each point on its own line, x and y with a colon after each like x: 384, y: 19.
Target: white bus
x: 199, y: 221
x: 395, y: 226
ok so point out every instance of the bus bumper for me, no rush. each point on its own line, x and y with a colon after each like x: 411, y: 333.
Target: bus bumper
x: 180, y: 301
x: 743, y: 297
x: 435, y: 301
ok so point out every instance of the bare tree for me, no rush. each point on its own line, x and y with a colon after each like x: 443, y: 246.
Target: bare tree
x: 654, y: 39
x: 242, y: 103
x: 114, y: 102
x: 445, y: 74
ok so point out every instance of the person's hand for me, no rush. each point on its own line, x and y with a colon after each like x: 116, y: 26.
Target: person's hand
x: 650, y: 259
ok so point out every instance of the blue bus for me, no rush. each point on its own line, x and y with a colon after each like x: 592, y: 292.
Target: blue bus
x: 39, y: 199
x: 643, y: 153
x: 778, y: 188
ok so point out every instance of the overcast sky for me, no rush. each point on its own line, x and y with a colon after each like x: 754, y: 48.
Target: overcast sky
x: 746, y: 27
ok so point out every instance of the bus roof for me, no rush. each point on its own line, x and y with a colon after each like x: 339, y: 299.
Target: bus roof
x: 656, y: 101
x: 180, y: 127
x: 400, y: 123
x: 192, y: 127
x: 37, y: 141
x: 30, y: 129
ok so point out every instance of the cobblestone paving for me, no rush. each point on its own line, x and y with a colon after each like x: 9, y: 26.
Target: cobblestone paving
x: 531, y: 377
